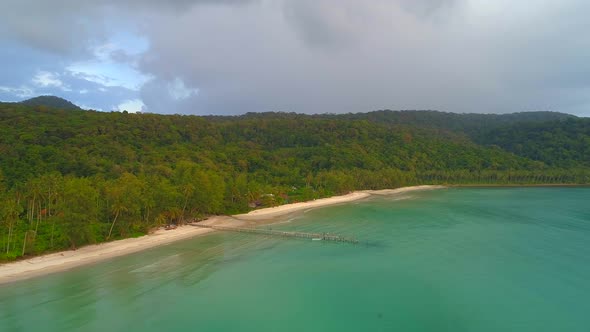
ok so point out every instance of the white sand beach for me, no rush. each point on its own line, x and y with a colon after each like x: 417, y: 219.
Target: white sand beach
x: 68, y: 259
x: 277, y: 211
x: 65, y: 260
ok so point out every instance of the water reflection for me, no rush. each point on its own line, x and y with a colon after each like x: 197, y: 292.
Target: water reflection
x: 117, y: 290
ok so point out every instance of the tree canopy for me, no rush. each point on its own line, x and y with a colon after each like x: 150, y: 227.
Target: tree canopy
x: 70, y: 177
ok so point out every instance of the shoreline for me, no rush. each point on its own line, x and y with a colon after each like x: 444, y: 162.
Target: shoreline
x: 94, y: 253
x: 547, y: 185
x: 282, y: 210
x: 65, y: 260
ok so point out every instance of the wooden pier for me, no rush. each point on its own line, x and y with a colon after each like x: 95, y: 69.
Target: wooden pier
x: 262, y: 231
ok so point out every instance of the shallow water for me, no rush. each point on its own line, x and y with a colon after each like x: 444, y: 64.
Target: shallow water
x: 501, y: 259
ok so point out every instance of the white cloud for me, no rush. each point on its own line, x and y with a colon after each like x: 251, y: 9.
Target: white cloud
x: 108, y: 74
x: 86, y: 107
x: 178, y: 90
x: 45, y: 79
x: 131, y: 106
x: 21, y: 92
x: 113, y: 63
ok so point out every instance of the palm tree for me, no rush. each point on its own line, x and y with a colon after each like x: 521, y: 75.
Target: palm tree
x: 10, y: 212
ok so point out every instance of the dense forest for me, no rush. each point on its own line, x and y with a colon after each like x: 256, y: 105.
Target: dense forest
x: 51, y: 101
x: 70, y: 177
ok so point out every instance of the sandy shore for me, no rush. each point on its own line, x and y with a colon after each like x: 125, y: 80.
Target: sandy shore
x: 68, y: 259
x: 278, y: 211
x: 94, y: 253
x: 386, y: 192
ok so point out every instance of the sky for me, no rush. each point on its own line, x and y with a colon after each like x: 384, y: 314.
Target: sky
x: 305, y: 56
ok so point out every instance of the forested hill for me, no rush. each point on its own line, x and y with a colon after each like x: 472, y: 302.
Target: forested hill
x: 50, y: 101
x: 468, y: 123
x: 556, y: 139
x: 72, y: 177
x: 564, y: 144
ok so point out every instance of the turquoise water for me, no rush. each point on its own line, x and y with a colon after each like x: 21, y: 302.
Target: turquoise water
x: 502, y: 259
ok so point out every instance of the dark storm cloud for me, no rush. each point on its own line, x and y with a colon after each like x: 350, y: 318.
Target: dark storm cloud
x: 348, y: 56
x: 320, y: 24
x: 65, y: 26
x: 332, y: 55
x: 336, y: 23
x: 428, y: 7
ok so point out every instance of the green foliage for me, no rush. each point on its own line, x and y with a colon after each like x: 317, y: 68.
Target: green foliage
x: 78, y: 210
x: 125, y: 198
x: 50, y: 101
x: 71, y: 177
x: 564, y: 144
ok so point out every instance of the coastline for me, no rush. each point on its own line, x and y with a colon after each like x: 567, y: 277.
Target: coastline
x: 68, y: 259
x: 282, y: 210
x: 65, y: 260
x: 541, y: 185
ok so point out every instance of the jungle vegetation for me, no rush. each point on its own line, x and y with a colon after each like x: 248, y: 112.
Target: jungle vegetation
x: 70, y: 177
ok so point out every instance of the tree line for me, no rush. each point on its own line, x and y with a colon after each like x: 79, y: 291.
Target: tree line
x: 72, y: 177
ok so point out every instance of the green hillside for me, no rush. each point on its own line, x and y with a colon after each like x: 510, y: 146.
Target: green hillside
x: 50, y: 101
x: 563, y: 144
x: 71, y: 177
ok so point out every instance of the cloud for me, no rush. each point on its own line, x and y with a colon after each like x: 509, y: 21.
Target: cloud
x: 230, y: 57
x: 178, y: 91
x: 90, y: 94
x: 94, y: 79
x: 429, y: 7
x: 347, y: 56
x: 131, y: 106
x: 108, y: 74
x: 68, y: 26
x: 45, y: 79
x: 338, y: 23
x: 20, y: 92
x: 323, y: 23
x: 355, y: 65
x: 87, y: 107
x: 158, y: 97
x: 113, y: 64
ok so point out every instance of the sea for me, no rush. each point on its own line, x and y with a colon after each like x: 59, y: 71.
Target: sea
x: 455, y: 259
